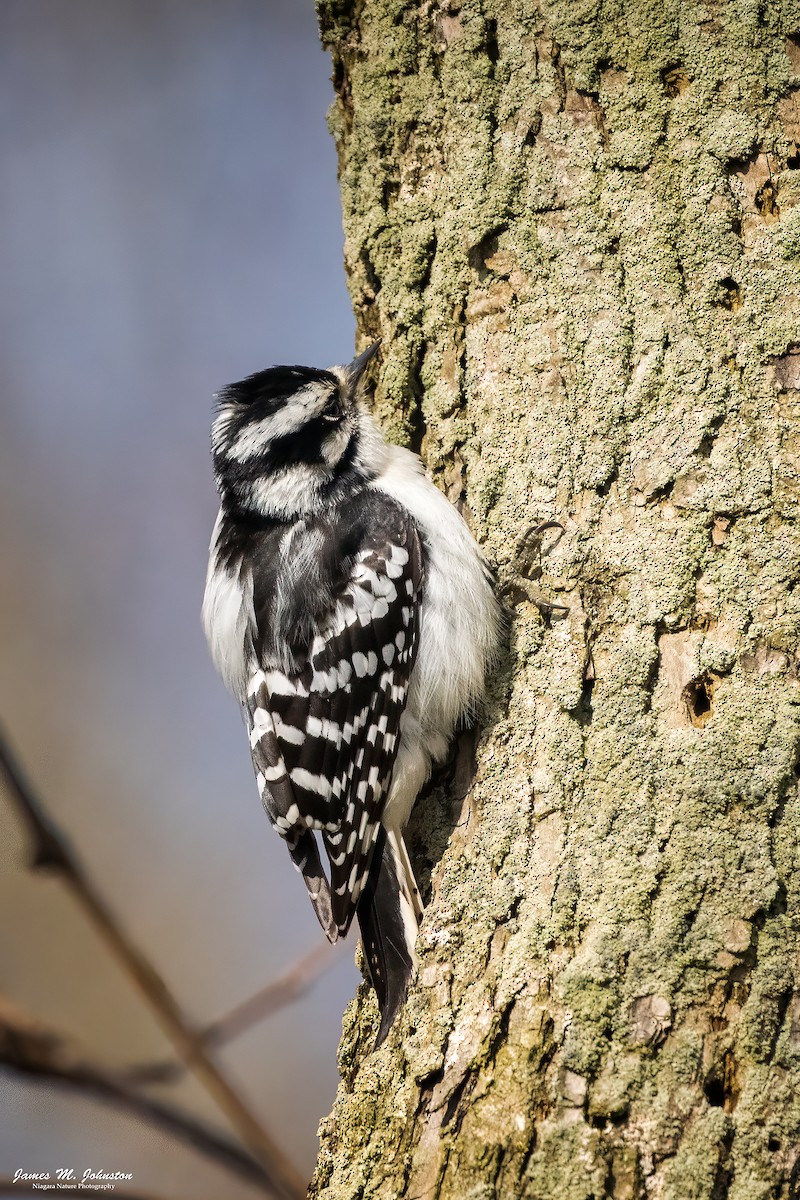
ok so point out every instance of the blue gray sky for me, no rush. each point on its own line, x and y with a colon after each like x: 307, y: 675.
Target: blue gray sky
x: 169, y: 221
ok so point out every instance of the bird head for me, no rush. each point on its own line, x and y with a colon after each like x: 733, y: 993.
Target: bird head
x: 284, y: 438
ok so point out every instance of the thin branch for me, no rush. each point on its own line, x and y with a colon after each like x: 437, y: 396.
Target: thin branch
x: 30, y: 1047
x: 288, y: 987
x: 52, y: 850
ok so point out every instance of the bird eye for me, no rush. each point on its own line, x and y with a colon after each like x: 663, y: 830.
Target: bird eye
x: 331, y: 411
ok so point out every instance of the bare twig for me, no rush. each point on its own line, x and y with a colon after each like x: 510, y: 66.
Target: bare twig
x: 289, y: 986
x: 284, y: 990
x: 30, y: 1047
x: 52, y: 850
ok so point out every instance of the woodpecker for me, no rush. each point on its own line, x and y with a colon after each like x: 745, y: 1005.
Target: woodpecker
x: 351, y: 613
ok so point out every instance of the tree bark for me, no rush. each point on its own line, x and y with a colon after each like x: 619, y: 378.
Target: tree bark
x: 576, y: 228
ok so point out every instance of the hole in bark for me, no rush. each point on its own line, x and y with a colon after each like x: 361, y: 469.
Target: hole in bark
x: 701, y: 700
x: 709, y: 437
x: 603, y: 489
x: 674, y: 80
x: 338, y: 72
x: 793, y: 160
x: 485, y: 249
x: 662, y: 493
x: 583, y: 712
x: 739, y: 164
x: 720, y: 528
x: 533, y: 130
x: 714, y: 1093
x: 604, y: 1120
x: 766, y: 201
x: 698, y: 698
x: 773, y: 1144
x: 430, y: 1081
x: 730, y: 294
x: 706, y: 445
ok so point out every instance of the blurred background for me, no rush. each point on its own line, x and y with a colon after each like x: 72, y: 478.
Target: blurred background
x: 170, y: 222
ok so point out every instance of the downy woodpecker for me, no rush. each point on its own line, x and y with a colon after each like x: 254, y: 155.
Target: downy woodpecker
x: 351, y: 613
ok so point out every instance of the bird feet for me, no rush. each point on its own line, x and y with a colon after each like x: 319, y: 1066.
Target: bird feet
x: 526, y: 567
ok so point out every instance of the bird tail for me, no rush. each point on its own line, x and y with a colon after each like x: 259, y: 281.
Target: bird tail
x: 387, y: 916
x: 305, y: 856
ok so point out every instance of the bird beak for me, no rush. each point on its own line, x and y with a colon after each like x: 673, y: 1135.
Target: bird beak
x: 359, y: 364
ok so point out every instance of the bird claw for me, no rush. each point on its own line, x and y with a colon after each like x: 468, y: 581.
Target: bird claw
x: 526, y: 566
x: 530, y: 542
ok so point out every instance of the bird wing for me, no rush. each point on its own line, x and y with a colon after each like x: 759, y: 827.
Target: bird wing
x: 324, y: 739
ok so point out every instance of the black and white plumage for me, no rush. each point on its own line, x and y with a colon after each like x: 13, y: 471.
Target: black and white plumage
x: 349, y: 610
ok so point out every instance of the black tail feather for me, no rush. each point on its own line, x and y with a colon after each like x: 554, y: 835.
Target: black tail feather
x: 305, y: 856
x: 384, y: 934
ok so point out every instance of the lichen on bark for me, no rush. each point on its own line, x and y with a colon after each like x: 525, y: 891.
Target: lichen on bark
x: 576, y: 228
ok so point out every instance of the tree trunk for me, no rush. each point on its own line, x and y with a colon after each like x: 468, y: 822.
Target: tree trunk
x: 577, y: 231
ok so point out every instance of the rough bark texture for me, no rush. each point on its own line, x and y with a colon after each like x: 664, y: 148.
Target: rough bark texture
x: 576, y: 227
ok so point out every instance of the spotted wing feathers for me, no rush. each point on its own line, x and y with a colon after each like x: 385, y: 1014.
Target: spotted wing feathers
x: 324, y: 740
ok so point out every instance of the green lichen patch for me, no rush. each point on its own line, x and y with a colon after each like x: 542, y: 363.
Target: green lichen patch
x: 575, y: 228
